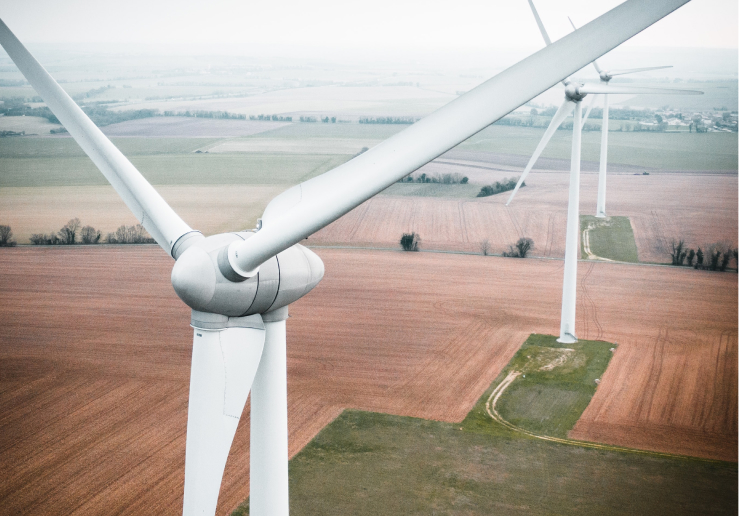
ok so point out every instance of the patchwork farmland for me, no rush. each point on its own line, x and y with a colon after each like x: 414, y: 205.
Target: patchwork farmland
x: 428, y: 334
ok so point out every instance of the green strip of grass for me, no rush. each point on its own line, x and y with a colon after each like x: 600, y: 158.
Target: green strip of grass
x: 172, y: 169
x: 611, y: 238
x: 556, y: 385
x: 366, y: 463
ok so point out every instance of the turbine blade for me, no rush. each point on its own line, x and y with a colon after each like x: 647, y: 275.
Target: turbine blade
x: 308, y: 207
x: 141, y: 198
x: 595, y: 63
x: 563, y: 112
x: 542, y: 29
x: 540, y: 24
x: 590, y: 108
x: 602, y: 88
x: 635, y: 70
x: 224, y: 364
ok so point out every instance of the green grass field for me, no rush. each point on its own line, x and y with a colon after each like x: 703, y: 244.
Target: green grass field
x: 300, y: 131
x: 37, y: 165
x: 556, y: 386
x: 366, y: 463
x: 666, y: 151
x: 611, y: 238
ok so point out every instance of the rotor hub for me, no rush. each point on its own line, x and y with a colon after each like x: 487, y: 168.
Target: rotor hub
x: 201, y: 280
x: 572, y: 92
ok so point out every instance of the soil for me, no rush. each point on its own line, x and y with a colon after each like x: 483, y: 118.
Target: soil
x: 95, y: 358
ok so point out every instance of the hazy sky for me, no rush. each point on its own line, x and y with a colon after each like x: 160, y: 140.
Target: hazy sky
x: 346, y: 25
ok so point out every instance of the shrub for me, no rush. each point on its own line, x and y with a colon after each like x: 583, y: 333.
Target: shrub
x: 725, y: 261
x: 699, y: 258
x: 713, y: 258
x: 498, y: 187
x: 6, y: 237
x: 485, y: 247
x: 678, y: 252
x: 690, y: 257
x: 409, y: 241
x: 524, y: 245
x: 42, y: 239
x: 520, y: 249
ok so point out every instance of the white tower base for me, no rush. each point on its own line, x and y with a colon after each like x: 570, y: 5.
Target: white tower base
x: 569, y: 284
x: 268, y: 490
x: 600, y: 210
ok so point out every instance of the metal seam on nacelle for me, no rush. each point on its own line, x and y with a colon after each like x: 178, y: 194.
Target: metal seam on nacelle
x: 279, y: 282
x: 256, y: 295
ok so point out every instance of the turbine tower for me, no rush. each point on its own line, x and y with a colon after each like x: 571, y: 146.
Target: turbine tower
x: 575, y: 92
x: 239, y: 285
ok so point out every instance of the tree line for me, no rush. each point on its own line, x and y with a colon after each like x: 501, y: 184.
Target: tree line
x: 499, y: 186
x: 387, y: 120
x: 73, y: 233
x: 716, y: 257
x: 445, y: 179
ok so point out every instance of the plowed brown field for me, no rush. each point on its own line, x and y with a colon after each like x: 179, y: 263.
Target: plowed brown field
x: 700, y: 209
x: 95, y: 354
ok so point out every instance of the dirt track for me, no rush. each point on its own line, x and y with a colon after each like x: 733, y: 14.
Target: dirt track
x: 94, y: 373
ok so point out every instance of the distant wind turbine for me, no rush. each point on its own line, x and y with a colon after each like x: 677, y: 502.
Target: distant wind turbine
x: 575, y: 92
x: 605, y: 78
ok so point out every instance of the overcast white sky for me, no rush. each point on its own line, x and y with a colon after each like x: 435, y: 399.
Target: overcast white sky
x: 381, y: 24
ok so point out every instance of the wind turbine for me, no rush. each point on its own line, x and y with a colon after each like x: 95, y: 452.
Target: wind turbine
x: 575, y: 92
x: 605, y: 78
x: 239, y: 285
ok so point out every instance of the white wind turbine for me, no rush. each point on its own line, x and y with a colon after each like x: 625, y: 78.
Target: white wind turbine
x: 575, y: 92
x: 605, y: 78
x: 239, y: 285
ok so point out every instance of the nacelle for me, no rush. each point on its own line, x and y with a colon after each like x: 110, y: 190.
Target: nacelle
x: 198, y: 278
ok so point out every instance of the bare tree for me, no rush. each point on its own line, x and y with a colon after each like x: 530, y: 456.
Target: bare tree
x: 68, y: 234
x: 524, y: 245
x: 6, y: 237
x: 520, y: 249
x: 699, y: 258
x: 90, y: 235
x: 485, y: 247
x: 130, y: 235
x: 690, y: 257
x: 678, y: 252
x: 409, y: 241
x: 713, y: 257
x: 725, y: 261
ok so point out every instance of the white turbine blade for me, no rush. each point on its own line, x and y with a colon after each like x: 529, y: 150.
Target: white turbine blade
x: 540, y: 24
x: 635, y: 70
x: 595, y: 63
x: 141, y: 198
x: 617, y: 88
x: 590, y: 108
x: 563, y: 112
x: 308, y: 207
x: 224, y: 364
x: 541, y: 28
